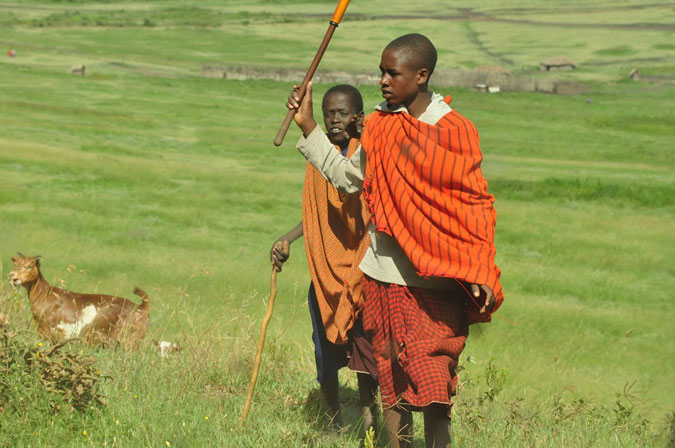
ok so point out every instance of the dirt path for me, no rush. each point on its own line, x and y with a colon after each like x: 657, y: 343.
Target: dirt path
x: 463, y: 14
x: 474, y: 37
x: 469, y: 14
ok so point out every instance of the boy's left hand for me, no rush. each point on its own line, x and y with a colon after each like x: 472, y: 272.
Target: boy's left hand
x: 490, y: 299
x: 304, y: 116
x: 281, y: 250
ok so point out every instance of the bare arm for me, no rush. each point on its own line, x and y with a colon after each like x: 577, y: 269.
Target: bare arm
x: 281, y: 249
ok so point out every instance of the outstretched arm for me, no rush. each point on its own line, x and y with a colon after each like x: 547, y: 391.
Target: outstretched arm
x: 346, y: 174
x: 281, y: 249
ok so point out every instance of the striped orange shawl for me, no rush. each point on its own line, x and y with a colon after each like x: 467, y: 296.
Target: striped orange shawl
x: 424, y: 186
x: 335, y: 228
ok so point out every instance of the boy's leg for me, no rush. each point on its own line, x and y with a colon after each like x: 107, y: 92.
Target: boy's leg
x: 416, y: 353
x: 362, y: 360
x: 436, y: 426
x: 329, y: 359
x: 398, y: 422
x: 367, y: 394
x: 330, y: 389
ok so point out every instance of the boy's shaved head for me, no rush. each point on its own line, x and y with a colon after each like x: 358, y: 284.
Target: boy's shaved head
x: 351, y: 91
x: 342, y: 108
x: 417, y: 49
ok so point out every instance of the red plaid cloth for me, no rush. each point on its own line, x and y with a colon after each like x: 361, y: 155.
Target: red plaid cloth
x: 417, y: 336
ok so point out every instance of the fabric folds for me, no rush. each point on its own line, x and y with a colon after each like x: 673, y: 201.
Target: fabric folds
x: 335, y: 229
x: 424, y: 186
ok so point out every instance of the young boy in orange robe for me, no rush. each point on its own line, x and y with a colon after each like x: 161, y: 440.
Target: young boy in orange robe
x: 429, y: 271
x: 334, y: 226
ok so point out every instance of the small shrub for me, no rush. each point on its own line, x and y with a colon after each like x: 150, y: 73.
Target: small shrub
x: 495, y: 378
x: 67, y: 378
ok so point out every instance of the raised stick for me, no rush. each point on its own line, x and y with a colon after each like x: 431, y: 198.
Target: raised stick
x: 334, y: 22
x: 261, y: 345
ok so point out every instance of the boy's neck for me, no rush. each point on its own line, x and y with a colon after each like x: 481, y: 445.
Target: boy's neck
x: 419, y: 104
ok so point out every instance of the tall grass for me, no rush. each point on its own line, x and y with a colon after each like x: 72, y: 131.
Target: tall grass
x: 195, y: 397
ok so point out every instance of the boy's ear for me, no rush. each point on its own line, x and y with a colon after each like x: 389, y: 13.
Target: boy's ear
x: 358, y: 118
x: 422, y: 76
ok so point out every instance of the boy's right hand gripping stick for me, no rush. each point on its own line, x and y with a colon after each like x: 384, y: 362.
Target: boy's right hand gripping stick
x: 334, y: 22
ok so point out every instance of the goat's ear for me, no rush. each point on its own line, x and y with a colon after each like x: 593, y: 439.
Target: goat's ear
x: 13, y: 260
x: 37, y: 262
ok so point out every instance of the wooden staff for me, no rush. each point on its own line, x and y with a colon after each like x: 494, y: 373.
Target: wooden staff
x: 261, y: 345
x: 334, y: 22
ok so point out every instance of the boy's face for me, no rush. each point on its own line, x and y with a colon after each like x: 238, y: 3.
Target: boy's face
x: 340, y: 118
x: 400, y: 83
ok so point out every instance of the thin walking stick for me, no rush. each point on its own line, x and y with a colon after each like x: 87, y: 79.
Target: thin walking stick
x: 261, y: 345
x: 334, y: 22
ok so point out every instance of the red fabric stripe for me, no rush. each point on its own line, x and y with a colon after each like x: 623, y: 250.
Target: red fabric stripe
x: 424, y: 186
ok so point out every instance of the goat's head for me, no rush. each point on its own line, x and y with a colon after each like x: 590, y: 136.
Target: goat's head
x: 26, y: 270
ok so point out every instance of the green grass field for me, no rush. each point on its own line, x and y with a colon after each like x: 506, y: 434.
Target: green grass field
x: 143, y: 173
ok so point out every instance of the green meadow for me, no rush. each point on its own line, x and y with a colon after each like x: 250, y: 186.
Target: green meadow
x: 144, y: 173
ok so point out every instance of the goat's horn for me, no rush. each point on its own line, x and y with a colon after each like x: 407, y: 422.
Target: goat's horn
x: 38, y: 256
x: 20, y: 254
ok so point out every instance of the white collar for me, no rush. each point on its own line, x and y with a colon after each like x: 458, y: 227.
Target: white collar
x: 436, y: 109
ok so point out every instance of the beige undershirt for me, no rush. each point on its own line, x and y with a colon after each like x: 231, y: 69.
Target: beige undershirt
x: 384, y: 260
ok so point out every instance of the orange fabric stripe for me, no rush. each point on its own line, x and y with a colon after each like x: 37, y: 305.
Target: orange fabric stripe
x: 335, y: 227
x: 424, y: 186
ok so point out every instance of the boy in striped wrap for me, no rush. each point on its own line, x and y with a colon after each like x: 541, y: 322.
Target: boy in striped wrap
x: 429, y: 270
x: 334, y: 226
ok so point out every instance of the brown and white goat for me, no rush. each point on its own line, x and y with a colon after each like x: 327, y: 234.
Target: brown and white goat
x: 94, y: 318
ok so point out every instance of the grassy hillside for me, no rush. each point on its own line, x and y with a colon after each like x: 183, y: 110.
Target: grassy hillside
x: 143, y: 173
x: 605, y: 39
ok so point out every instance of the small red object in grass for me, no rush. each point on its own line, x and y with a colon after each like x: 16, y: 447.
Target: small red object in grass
x: 11, y: 53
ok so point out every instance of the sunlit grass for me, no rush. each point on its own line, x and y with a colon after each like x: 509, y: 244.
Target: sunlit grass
x: 143, y: 173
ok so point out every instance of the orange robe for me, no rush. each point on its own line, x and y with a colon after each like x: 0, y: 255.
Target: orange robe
x: 335, y: 227
x: 424, y: 186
